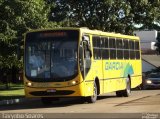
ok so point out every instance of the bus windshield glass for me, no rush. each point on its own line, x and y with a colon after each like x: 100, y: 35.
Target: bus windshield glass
x: 51, y: 56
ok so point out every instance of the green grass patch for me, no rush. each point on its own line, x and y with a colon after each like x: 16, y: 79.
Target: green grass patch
x: 15, y: 91
x: 11, y: 86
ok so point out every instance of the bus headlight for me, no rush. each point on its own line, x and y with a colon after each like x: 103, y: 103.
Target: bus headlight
x: 73, y: 83
x: 149, y: 81
x: 29, y: 84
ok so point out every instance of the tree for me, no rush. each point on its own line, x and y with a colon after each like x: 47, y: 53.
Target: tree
x: 61, y: 13
x: 146, y: 13
x: 107, y: 15
x: 17, y: 17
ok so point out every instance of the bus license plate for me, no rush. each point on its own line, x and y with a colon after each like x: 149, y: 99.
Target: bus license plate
x: 51, y: 90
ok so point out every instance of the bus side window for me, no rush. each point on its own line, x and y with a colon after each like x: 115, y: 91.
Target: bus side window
x: 104, y: 48
x: 119, y: 49
x: 112, y: 46
x: 126, y: 48
x: 96, y: 47
x: 131, y: 47
x: 137, y: 50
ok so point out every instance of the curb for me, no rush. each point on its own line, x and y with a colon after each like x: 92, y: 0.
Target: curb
x: 15, y: 101
x: 12, y: 101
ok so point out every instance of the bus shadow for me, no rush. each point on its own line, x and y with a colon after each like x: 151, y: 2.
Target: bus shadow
x: 36, y: 103
x: 105, y: 97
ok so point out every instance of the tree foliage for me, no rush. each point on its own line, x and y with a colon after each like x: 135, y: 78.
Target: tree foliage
x: 107, y: 15
x: 17, y: 17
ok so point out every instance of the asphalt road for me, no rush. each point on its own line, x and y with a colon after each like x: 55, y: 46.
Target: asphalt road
x: 141, y: 103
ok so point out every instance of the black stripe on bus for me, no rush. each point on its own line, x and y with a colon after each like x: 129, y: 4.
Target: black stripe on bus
x: 120, y: 77
x: 113, y: 78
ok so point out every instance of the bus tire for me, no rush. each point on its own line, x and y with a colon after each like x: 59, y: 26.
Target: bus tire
x: 46, y: 100
x: 93, y: 98
x: 127, y: 91
x: 119, y: 93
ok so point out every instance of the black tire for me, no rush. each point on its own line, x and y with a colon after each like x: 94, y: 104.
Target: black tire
x: 93, y: 98
x: 119, y: 93
x: 144, y: 87
x: 127, y: 91
x: 46, y: 100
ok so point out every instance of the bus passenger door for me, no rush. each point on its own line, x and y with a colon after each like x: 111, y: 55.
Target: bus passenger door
x: 87, y: 55
x: 84, y: 57
x: 85, y: 64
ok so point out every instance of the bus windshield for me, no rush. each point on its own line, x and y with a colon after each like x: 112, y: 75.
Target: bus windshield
x: 51, y: 58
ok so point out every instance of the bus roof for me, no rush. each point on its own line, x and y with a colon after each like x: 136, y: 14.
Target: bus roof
x: 86, y: 30
x: 109, y: 34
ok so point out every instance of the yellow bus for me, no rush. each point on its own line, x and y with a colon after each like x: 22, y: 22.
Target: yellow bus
x: 79, y: 62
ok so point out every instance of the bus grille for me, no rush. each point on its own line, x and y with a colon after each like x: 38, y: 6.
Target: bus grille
x: 156, y: 82
x: 57, y: 93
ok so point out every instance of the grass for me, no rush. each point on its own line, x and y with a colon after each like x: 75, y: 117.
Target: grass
x: 15, y: 91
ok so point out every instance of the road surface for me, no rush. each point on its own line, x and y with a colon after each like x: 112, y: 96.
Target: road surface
x: 140, y: 103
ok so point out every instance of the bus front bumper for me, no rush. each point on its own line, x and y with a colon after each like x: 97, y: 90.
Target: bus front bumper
x: 71, y: 91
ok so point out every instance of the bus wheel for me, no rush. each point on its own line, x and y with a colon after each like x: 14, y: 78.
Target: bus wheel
x: 127, y: 91
x: 119, y: 93
x: 93, y: 98
x: 46, y: 100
